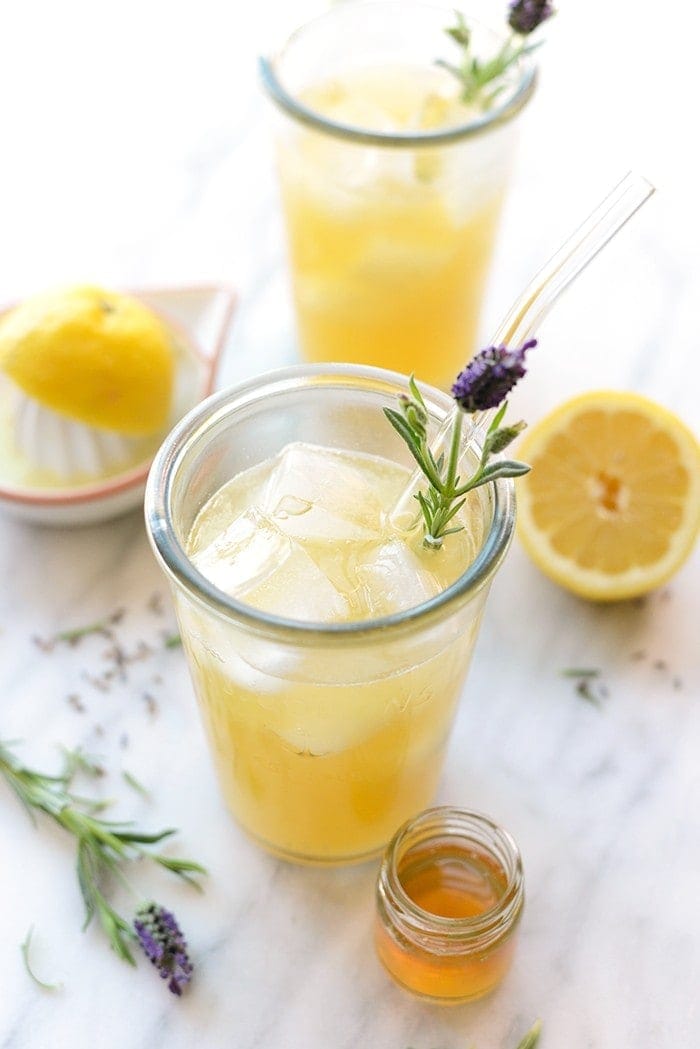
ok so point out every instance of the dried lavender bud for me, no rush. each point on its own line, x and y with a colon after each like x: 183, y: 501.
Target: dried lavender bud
x: 526, y: 15
x: 490, y: 376
x: 164, y: 945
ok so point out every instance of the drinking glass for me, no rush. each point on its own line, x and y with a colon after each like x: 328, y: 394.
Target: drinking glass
x: 325, y: 736
x: 391, y: 194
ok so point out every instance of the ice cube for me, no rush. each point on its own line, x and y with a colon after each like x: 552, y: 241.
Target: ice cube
x: 321, y: 723
x: 256, y: 562
x: 393, y: 578
x: 397, y: 260
x: 315, y: 494
x: 357, y: 105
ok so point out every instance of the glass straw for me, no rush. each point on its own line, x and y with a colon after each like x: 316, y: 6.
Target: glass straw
x: 533, y: 305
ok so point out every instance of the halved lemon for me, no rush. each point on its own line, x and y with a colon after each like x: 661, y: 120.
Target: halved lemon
x: 96, y: 356
x: 611, y: 508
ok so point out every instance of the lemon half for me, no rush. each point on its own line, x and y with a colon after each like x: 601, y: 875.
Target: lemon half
x: 96, y: 356
x: 611, y: 508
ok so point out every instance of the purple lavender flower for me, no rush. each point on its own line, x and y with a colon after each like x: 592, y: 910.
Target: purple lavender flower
x: 490, y: 377
x: 164, y: 945
x: 526, y: 15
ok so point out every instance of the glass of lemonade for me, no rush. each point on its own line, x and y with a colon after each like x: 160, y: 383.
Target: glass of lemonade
x: 392, y: 187
x: 327, y: 649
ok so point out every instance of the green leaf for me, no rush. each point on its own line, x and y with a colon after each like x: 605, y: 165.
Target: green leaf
x: 77, y: 760
x: 402, y: 428
x: 498, y: 417
x: 135, y: 784
x: 86, y: 879
x: 118, y: 931
x: 505, y: 468
x: 415, y: 393
x: 460, y: 32
x: 24, y: 948
x: 455, y: 510
x: 532, y: 1037
x: 146, y: 839
x: 427, y: 510
x: 183, y: 868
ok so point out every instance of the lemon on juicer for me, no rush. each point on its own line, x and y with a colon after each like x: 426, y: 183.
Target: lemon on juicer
x: 95, y: 356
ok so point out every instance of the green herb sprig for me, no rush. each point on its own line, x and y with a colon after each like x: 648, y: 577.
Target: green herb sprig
x: 103, y: 847
x: 446, y: 493
x: 482, y: 80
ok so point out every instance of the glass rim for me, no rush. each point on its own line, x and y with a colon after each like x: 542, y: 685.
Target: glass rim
x: 208, y: 413
x: 448, y: 820
x: 505, y: 111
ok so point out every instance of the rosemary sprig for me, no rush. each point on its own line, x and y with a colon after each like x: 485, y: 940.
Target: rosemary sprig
x: 491, y: 375
x: 103, y: 847
x: 482, y: 80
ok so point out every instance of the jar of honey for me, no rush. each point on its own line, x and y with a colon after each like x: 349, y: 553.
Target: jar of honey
x: 450, y: 894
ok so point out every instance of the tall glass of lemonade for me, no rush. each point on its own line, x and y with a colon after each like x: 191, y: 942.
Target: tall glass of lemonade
x: 327, y: 649
x: 392, y: 186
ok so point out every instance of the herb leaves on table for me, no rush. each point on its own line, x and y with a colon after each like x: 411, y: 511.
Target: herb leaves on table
x: 103, y: 849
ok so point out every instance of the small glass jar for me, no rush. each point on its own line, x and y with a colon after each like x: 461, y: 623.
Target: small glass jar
x: 450, y: 894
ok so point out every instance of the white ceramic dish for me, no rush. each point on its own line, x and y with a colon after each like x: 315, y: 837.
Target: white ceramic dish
x: 200, y: 319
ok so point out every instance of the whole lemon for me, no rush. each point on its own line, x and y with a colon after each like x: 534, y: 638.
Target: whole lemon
x: 99, y: 357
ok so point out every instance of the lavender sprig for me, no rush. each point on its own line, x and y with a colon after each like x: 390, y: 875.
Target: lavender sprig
x: 103, y: 847
x: 164, y: 945
x: 480, y: 79
x: 482, y: 385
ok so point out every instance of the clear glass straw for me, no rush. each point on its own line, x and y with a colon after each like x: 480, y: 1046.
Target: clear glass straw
x: 532, y: 306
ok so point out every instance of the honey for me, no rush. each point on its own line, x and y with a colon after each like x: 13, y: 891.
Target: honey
x: 449, y: 898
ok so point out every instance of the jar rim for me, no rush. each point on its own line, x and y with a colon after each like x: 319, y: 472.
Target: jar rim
x: 449, y: 821
x: 514, y: 101
x: 171, y: 554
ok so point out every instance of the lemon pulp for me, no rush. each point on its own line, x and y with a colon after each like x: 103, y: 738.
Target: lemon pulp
x: 611, y: 508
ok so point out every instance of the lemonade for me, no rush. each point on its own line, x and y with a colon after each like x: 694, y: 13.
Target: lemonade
x: 392, y: 190
x: 327, y: 650
x: 319, y: 756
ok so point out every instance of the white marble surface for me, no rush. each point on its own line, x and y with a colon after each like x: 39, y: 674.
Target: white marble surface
x: 134, y: 153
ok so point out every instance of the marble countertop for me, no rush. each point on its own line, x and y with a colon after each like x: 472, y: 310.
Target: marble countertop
x: 135, y: 154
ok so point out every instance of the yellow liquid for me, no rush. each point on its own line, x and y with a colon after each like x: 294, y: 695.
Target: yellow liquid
x: 390, y: 247
x: 322, y: 751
